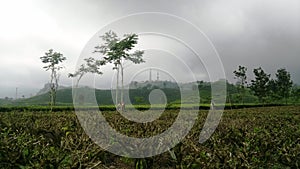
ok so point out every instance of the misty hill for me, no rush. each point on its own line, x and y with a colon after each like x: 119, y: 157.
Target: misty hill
x: 46, y: 89
x: 139, y: 94
x: 103, y: 97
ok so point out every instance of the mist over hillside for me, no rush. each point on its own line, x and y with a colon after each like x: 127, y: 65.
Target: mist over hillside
x: 138, y: 93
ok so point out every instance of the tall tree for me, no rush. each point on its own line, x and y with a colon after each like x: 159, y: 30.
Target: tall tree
x: 90, y: 66
x: 295, y: 93
x: 260, y: 86
x: 53, y: 60
x: 284, y: 84
x: 118, y: 51
x: 241, y: 77
x: 273, y: 90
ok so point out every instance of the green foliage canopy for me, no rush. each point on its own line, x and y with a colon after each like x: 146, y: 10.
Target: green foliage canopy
x: 260, y: 86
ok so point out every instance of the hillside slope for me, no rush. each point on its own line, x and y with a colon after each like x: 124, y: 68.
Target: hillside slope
x: 103, y: 97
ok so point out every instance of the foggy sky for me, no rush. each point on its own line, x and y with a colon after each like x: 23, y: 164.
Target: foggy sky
x: 252, y: 33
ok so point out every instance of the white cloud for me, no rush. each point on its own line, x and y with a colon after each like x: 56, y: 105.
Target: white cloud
x: 249, y: 32
x: 23, y: 19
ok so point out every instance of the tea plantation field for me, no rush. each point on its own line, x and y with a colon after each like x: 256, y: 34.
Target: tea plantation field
x: 266, y: 137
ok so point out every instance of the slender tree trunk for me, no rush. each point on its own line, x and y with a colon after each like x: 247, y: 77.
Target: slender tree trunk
x: 263, y: 102
x: 122, y: 81
x: 77, y: 82
x: 56, y: 78
x: 243, y: 94
x: 54, y: 97
x: 243, y: 103
x: 52, y: 89
x: 229, y: 100
x: 51, y: 96
x: 117, y: 87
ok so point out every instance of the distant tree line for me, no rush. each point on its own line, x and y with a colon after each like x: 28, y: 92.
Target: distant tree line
x: 280, y: 89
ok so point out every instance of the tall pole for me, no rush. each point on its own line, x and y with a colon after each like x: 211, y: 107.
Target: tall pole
x: 16, y: 93
x: 150, y: 76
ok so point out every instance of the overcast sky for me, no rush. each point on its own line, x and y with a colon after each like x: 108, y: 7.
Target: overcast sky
x: 253, y: 33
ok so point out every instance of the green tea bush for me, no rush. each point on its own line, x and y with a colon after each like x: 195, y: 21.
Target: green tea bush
x: 266, y: 137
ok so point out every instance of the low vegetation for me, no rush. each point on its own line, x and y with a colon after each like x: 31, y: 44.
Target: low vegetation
x: 266, y: 137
